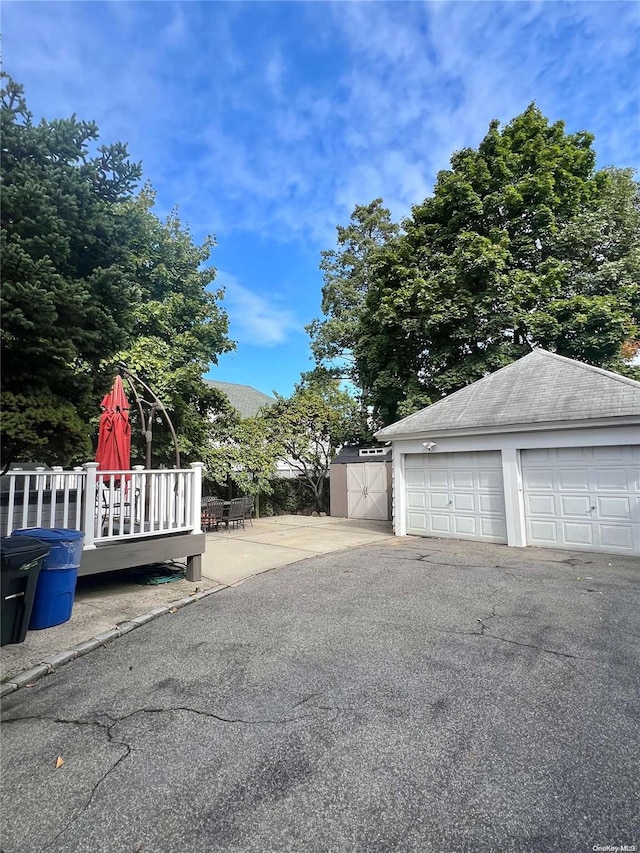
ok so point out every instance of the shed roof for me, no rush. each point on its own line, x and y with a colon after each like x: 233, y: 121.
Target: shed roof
x: 350, y: 454
x: 247, y: 401
x: 539, y: 388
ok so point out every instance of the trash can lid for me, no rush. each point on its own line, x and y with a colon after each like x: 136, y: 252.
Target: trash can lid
x: 17, y: 546
x: 55, y: 534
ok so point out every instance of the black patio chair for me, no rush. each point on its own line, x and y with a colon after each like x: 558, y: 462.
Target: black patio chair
x: 121, y: 504
x: 212, y: 513
x: 235, y: 513
x: 249, y: 507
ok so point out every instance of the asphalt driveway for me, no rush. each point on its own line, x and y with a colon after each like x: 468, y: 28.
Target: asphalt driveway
x: 410, y: 695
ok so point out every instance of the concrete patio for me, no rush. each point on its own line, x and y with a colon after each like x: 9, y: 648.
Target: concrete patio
x: 238, y: 554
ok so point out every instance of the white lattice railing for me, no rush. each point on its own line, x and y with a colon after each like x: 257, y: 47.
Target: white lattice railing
x: 106, y: 505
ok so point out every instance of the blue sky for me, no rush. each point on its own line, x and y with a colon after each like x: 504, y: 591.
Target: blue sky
x: 267, y: 122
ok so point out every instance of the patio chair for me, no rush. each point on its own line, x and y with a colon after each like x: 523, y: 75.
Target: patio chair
x: 212, y: 513
x: 121, y: 505
x: 235, y: 514
x: 249, y: 507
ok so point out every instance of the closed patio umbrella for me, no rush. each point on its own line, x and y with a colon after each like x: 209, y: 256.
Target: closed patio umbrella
x: 114, y: 431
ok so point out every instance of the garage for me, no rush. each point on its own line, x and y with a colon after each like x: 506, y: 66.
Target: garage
x: 583, y: 498
x: 543, y: 452
x: 456, y: 495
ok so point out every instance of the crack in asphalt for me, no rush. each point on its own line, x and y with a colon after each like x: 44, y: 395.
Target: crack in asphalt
x: 533, y: 646
x: 108, y: 730
x: 424, y: 558
x: 114, y: 721
x: 483, y: 624
x: 306, y: 699
x: 483, y: 633
x: 211, y: 715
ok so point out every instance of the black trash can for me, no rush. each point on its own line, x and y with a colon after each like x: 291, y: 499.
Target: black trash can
x: 20, y: 563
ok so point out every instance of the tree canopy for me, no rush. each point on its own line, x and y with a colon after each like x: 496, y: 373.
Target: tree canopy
x: 91, y: 276
x: 241, y: 449
x: 523, y: 243
x: 178, y: 327
x: 311, y: 426
x: 348, y: 273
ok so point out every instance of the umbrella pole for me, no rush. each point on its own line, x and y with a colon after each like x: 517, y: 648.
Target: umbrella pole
x: 149, y: 434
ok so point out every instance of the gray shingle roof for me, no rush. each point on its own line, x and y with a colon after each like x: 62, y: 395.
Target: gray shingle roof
x: 539, y: 388
x: 245, y: 400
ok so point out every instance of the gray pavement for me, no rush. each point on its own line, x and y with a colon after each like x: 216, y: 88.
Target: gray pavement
x: 414, y: 694
x: 105, y: 601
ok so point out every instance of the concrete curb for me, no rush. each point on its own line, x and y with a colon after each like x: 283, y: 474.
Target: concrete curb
x: 52, y: 663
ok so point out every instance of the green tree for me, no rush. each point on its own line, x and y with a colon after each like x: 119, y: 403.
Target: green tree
x: 92, y: 277
x: 597, y: 260
x: 347, y: 273
x: 179, y: 329
x: 241, y: 450
x: 310, y: 427
x: 522, y: 244
x: 67, y: 286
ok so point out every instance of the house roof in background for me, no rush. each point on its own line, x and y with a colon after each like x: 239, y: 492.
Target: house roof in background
x: 247, y: 401
x: 539, y: 388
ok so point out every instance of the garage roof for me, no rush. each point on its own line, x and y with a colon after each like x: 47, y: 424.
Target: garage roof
x: 539, y: 388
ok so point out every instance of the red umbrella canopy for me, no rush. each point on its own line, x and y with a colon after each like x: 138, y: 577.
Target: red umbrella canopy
x: 114, y: 431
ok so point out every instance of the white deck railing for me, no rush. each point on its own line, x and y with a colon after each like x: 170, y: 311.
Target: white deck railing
x: 108, y: 506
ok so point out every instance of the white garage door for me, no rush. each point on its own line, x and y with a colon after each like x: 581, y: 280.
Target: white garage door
x: 584, y: 498
x: 457, y: 495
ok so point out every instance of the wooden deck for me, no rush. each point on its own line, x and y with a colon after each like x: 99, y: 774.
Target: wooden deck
x: 129, y: 518
x: 127, y: 554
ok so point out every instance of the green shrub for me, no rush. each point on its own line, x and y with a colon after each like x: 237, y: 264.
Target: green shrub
x: 289, y: 497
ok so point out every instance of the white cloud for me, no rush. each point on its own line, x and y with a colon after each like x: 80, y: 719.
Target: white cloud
x: 353, y: 101
x: 253, y: 319
x: 274, y: 74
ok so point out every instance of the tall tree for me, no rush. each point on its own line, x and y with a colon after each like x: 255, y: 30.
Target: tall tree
x: 347, y: 273
x: 91, y: 277
x: 67, y: 286
x: 523, y: 243
x: 179, y: 328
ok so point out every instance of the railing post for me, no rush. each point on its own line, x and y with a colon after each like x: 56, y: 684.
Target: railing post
x: 41, y: 479
x: 77, y: 485
x: 194, y: 562
x: 90, y: 493
x: 137, y: 505
x: 196, y: 496
x: 12, y: 498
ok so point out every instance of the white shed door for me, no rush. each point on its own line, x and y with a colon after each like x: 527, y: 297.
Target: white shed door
x: 367, y: 495
x: 456, y: 495
x: 583, y: 498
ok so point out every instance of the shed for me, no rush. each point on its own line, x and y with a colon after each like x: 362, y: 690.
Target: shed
x: 545, y: 452
x: 360, y: 483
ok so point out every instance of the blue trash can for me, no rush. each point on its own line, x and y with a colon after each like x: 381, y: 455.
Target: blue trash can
x: 53, y: 602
